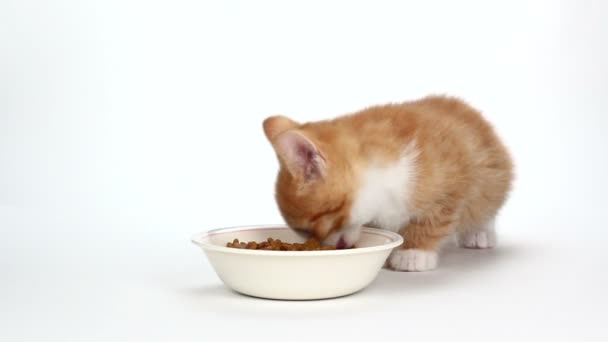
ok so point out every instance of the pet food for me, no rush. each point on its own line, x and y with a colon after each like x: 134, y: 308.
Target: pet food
x: 277, y: 245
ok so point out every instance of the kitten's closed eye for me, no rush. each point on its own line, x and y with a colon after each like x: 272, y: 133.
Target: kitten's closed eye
x: 301, y: 232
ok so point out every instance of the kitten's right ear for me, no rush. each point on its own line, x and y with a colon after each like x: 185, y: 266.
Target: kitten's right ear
x: 300, y: 156
x: 277, y: 124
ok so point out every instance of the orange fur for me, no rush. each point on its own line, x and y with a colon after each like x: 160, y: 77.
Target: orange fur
x: 462, y: 177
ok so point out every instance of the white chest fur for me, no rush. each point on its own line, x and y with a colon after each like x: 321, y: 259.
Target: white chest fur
x: 384, y: 193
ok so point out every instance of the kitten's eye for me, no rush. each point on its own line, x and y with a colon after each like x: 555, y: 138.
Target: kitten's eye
x: 301, y: 231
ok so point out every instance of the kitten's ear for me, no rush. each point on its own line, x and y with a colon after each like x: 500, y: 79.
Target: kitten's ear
x: 300, y: 155
x: 277, y: 124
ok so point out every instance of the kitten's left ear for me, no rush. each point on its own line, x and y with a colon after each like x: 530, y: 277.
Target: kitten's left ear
x: 277, y: 124
x: 300, y: 156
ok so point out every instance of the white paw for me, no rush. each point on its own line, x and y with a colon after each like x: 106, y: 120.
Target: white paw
x: 481, y: 239
x: 412, y: 260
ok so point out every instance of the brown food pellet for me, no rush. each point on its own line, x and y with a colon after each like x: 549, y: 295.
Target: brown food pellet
x: 277, y: 245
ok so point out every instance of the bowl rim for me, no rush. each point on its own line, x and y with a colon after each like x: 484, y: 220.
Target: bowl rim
x: 200, y: 240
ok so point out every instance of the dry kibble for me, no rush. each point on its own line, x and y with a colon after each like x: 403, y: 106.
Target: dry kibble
x: 277, y: 245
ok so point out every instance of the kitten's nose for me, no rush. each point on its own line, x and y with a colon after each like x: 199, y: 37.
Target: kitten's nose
x: 341, y: 244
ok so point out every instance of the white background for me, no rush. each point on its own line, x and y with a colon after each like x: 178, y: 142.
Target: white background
x: 126, y: 126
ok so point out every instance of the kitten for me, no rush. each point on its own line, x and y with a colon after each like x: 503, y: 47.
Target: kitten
x: 424, y: 168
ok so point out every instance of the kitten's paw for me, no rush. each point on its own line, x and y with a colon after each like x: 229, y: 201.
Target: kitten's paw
x: 412, y: 260
x: 481, y: 239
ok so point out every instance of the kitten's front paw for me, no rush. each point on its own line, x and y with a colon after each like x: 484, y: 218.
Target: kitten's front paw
x: 482, y: 239
x: 412, y: 260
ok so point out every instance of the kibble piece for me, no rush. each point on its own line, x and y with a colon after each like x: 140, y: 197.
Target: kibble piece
x: 276, y: 244
x: 234, y: 243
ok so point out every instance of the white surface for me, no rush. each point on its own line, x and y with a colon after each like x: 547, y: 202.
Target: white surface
x: 81, y: 279
x: 296, y: 275
x: 127, y: 126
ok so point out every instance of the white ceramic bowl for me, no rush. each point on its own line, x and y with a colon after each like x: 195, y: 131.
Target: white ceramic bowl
x: 295, y: 275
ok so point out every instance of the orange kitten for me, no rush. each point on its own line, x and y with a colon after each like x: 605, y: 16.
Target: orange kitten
x: 424, y: 168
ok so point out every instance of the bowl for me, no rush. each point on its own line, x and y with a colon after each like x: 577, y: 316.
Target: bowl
x: 295, y: 275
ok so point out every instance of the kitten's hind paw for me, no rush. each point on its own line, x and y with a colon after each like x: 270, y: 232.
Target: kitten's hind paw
x: 481, y: 239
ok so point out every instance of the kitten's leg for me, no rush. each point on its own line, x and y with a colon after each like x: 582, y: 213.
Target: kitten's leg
x: 419, y: 251
x: 481, y: 237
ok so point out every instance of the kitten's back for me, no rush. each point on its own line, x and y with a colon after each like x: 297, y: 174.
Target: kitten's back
x: 459, y: 156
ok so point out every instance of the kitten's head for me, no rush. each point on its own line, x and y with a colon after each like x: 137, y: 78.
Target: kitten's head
x: 314, y: 186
